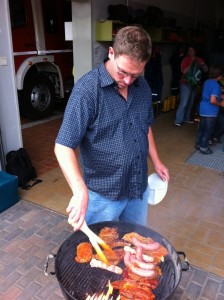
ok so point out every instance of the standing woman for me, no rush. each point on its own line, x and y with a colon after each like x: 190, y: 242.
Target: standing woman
x: 191, y: 67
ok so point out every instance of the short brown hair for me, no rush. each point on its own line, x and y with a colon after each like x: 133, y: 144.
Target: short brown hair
x: 216, y: 71
x: 133, y: 41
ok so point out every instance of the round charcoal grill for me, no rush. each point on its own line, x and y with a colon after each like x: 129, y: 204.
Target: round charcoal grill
x: 77, y: 281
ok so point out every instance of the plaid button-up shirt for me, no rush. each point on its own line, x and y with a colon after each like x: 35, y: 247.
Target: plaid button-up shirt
x: 110, y: 132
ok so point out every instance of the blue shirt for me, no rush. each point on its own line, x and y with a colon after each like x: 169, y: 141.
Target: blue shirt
x: 211, y: 88
x: 110, y: 132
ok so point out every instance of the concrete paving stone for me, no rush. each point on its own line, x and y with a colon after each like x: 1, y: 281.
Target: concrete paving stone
x: 4, y: 224
x: 47, y: 290
x: 28, y: 264
x: 29, y: 292
x: 193, y: 291
x: 59, y: 238
x: 30, y: 232
x: 13, y: 293
x: 10, y: 267
x: 49, y: 236
x: 185, y: 278
x: 13, y: 245
x: 43, y: 252
x: 12, y: 235
x: 28, y: 254
x: 60, y: 227
x: 199, y: 276
x: 44, y: 230
x: 3, y: 234
x: 178, y: 294
x: 56, y: 297
x: 210, y: 289
x: 10, y: 280
x: 28, y: 278
x: 222, y: 287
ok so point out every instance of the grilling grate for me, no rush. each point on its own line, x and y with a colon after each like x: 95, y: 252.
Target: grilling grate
x: 79, y: 280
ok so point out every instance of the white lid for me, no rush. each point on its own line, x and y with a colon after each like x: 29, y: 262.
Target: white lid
x: 157, y: 189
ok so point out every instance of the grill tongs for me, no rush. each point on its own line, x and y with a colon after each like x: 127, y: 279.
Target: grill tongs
x: 95, y: 240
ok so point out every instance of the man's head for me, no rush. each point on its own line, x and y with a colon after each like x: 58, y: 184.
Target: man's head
x: 134, y: 42
x: 130, y: 52
x: 216, y: 72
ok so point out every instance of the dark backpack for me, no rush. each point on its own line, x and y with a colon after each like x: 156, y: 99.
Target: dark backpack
x: 18, y: 163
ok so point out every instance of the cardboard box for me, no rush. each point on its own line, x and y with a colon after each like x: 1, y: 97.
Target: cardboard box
x: 8, y: 190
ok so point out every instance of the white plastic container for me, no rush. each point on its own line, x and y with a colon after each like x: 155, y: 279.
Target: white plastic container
x: 157, y: 189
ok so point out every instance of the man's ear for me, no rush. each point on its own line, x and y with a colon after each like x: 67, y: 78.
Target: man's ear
x: 111, y: 53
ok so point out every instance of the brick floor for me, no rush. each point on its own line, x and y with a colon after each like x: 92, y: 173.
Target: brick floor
x: 28, y: 233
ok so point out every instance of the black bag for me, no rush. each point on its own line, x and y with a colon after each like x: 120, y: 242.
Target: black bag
x: 18, y: 163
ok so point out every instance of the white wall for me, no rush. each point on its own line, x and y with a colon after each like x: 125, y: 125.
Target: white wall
x: 9, y: 110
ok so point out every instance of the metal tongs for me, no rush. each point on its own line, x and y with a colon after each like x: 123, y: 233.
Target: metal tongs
x: 95, y: 240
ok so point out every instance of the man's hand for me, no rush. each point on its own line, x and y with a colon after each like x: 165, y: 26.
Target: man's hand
x: 162, y: 171
x: 77, y: 208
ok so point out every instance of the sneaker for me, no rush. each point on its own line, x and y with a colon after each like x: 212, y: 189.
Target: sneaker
x: 177, y: 124
x: 197, y: 147
x: 197, y: 119
x: 210, y: 142
x: 189, y: 122
x: 206, y: 152
x: 215, y: 140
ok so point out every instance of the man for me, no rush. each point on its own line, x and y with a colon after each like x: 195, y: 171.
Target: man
x: 109, y: 116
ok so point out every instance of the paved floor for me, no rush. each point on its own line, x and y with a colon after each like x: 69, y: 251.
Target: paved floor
x: 29, y: 232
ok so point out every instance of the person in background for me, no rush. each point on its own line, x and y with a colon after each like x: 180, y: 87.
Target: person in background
x: 109, y: 116
x: 192, y: 67
x: 219, y: 127
x: 209, y: 108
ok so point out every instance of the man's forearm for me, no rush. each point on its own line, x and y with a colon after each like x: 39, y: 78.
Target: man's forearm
x: 68, y: 162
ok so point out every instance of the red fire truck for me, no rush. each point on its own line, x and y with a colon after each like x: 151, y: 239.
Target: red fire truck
x: 43, y: 59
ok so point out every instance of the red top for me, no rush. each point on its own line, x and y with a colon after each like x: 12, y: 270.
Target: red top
x: 186, y: 62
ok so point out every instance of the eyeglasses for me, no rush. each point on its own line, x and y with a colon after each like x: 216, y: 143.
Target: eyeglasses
x: 125, y: 74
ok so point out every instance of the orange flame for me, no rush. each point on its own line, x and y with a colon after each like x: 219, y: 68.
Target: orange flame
x: 104, y: 296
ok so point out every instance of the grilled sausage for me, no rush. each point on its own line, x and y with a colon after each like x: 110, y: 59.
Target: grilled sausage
x: 141, y: 264
x: 151, y: 246
x: 145, y: 257
x: 136, y: 270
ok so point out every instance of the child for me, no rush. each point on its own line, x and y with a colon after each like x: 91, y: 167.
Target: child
x: 209, y: 108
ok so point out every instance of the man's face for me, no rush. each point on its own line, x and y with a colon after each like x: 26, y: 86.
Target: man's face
x: 124, y: 69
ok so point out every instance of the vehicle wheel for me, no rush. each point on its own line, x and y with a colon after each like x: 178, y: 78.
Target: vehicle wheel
x: 38, y: 97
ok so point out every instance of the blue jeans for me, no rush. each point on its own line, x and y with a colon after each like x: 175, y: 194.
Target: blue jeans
x: 219, y: 126
x: 187, y: 94
x: 204, y: 132
x: 102, y: 209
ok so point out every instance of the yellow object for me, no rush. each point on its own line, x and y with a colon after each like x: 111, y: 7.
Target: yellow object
x: 164, y: 105
x: 173, y: 102
x: 168, y: 104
